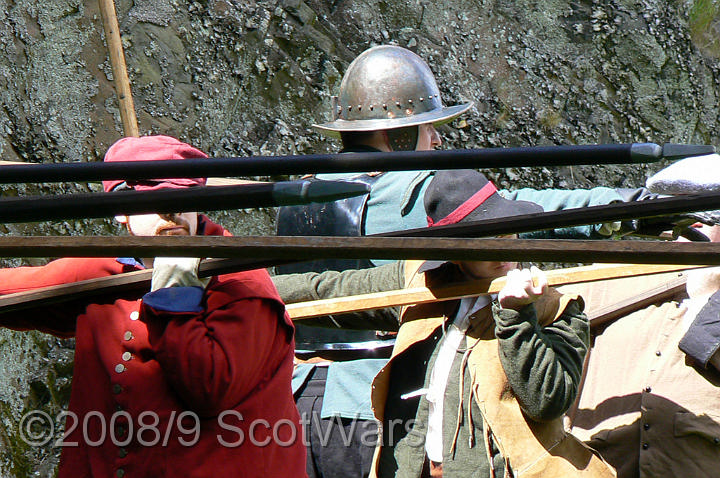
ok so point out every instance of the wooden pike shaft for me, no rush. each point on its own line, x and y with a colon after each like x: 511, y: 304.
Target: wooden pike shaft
x: 421, y: 295
x: 131, y: 285
x: 282, y: 248
x: 119, y: 68
x: 134, y: 284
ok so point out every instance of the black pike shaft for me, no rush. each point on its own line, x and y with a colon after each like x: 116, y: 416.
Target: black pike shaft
x: 351, y: 162
x: 569, y: 217
x: 81, y: 206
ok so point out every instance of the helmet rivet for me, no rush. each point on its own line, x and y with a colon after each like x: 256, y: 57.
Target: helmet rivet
x: 372, y: 107
x: 397, y: 103
x: 410, y: 101
x: 349, y: 107
x: 422, y: 99
x: 384, y: 106
x: 359, y: 107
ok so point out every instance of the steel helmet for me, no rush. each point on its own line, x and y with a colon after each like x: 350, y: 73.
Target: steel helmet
x: 388, y: 87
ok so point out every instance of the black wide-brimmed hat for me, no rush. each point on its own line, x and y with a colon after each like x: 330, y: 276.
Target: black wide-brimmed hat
x: 464, y: 195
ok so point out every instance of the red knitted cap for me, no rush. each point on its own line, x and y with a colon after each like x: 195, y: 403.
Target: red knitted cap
x: 152, y: 148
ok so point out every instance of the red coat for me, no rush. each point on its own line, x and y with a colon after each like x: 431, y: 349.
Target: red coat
x: 149, y: 374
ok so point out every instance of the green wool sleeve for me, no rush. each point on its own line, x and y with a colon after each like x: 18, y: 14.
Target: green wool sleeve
x: 332, y: 284
x: 543, y: 364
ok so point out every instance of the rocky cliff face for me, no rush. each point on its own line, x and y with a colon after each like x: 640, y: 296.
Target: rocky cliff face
x: 243, y: 77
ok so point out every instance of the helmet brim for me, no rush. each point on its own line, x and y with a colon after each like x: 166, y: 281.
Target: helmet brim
x: 437, y: 117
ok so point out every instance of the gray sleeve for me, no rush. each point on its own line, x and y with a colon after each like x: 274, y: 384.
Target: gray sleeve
x: 702, y: 340
x: 331, y: 284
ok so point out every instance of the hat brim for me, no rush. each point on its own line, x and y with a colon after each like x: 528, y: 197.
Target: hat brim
x: 496, y: 206
x: 166, y: 185
x: 437, y: 117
